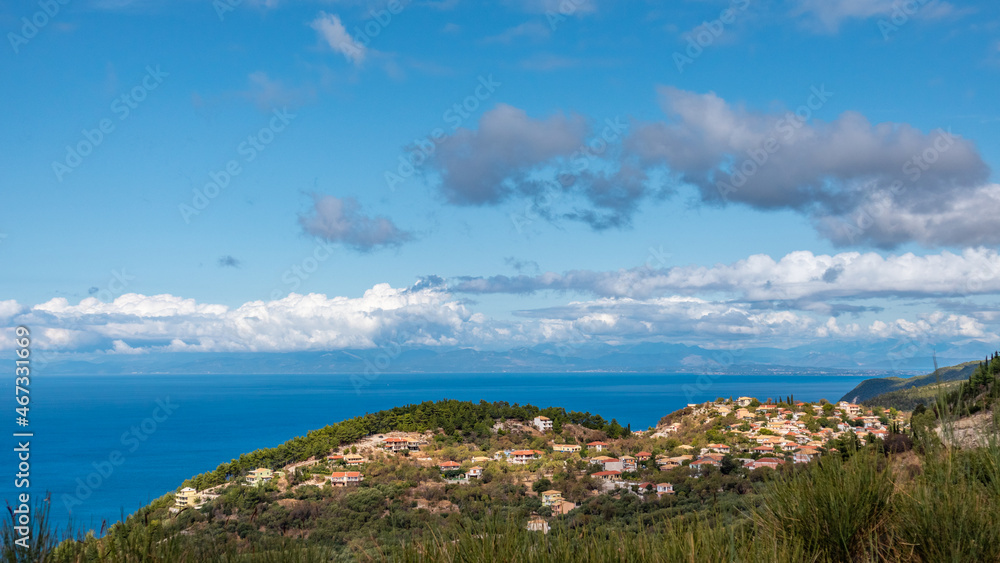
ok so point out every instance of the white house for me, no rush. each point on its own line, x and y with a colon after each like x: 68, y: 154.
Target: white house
x: 542, y: 423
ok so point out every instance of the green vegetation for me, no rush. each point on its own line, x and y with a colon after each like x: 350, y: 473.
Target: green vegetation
x: 454, y: 418
x: 885, y: 391
x: 909, y: 498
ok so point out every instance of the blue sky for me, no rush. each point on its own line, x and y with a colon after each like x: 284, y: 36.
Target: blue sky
x: 510, y: 231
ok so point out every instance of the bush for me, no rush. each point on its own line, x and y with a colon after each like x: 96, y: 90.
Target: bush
x: 835, y: 507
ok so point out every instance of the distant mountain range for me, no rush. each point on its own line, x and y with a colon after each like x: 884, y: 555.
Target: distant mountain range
x: 877, y: 359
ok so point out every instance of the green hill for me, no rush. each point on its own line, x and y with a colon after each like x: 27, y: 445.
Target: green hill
x: 907, y: 392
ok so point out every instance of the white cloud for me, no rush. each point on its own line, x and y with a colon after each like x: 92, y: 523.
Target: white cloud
x: 797, y: 276
x: 331, y: 30
x: 341, y: 220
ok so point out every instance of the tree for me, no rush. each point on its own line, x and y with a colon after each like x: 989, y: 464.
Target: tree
x: 542, y: 484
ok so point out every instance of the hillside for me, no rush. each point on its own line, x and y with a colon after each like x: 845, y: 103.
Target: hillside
x: 905, y: 393
x: 363, y: 489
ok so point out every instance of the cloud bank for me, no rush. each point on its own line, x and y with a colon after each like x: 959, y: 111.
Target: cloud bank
x: 858, y: 182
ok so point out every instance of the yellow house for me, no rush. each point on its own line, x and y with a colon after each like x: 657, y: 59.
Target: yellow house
x: 566, y: 448
x: 551, y: 497
x: 354, y: 459
x: 260, y: 476
x: 186, y: 497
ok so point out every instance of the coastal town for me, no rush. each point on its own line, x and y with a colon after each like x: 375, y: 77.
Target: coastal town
x: 562, y: 465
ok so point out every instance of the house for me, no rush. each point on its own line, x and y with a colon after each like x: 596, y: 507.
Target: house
x: 672, y: 427
x: 704, y: 463
x: 537, y: 524
x: 562, y: 507
x: 344, y: 478
x: 186, y: 497
x: 608, y: 463
x: 335, y: 458
x: 665, y: 464
x: 400, y: 444
x: 521, y: 457
x: 723, y: 410
x: 542, y: 423
x: 608, y: 475
x: 743, y: 414
x: 849, y: 408
x: 664, y: 489
x: 566, y: 448
x: 449, y: 465
x: 718, y: 448
x: 744, y: 401
x: 551, y: 497
x: 771, y: 462
x: 764, y: 449
x: 354, y: 459
x: 598, y: 446
x: 643, y: 456
x: 260, y: 476
x: 805, y: 455
x: 629, y: 463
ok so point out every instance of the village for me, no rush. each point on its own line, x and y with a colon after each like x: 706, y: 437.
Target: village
x: 693, y: 442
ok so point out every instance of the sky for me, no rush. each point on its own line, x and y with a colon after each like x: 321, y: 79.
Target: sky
x: 282, y: 176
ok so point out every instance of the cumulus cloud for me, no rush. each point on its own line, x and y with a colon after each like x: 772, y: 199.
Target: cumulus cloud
x: 801, y: 278
x: 564, y: 167
x: 488, y: 165
x: 8, y: 309
x: 426, y: 314
x: 341, y: 220
x: 858, y: 182
x: 332, y: 31
x: 133, y: 323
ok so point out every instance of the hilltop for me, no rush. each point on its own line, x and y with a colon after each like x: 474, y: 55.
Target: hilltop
x: 906, y: 393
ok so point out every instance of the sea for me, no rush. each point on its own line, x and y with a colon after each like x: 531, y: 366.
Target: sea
x: 104, y: 446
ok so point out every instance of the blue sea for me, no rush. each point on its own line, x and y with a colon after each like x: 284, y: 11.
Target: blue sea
x: 107, y: 445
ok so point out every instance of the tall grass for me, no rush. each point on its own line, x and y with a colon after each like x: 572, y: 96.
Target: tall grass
x: 700, y: 541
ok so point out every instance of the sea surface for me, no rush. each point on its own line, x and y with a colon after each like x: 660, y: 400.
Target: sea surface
x: 107, y: 445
